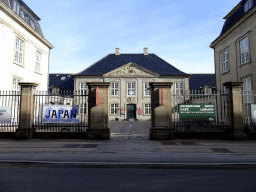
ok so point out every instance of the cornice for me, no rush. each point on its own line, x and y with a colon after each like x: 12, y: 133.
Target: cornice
x: 25, y: 25
x: 233, y: 27
x: 23, y: 36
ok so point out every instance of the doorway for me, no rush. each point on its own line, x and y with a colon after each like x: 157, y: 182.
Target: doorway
x: 131, y: 111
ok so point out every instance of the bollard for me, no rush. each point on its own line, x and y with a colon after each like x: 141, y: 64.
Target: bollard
x: 130, y: 131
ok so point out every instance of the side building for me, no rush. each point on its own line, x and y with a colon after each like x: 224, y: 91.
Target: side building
x: 234, y: 51
x: 61, y: 89
x: 129, y: 76
x: 24, y: 52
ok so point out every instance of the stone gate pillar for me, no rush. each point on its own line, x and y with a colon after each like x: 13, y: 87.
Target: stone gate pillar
x: 25, y: 130
x: 98, y: 110
x: 161, y: 111
x: 235, y: 109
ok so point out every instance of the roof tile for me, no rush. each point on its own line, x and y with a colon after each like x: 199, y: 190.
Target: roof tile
x: 151, y: 62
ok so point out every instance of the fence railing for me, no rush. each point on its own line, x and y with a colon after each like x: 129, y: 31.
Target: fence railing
x: 216, y: 99
x: 249, y: 110
x: 61, y: 98
x: 9, y: 107
x: 11, y: 99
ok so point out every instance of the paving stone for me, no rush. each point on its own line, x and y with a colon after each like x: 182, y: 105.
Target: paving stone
x: 71, y: 146
x: 221, y: 150
x: 89, y: 146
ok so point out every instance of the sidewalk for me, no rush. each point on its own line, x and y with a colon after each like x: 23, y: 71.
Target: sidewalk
x: 129, y: 137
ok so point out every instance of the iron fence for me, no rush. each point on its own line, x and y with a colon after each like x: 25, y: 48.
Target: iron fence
x: 216, y: 99
x: 249, y: 111
x: 62, y: 98
x: 9, y: 100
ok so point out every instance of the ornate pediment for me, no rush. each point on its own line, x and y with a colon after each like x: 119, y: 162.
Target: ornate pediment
x: 131, y: 70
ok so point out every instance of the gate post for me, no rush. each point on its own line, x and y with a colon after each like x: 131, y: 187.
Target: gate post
x: 235, y: 109
x: 25, y: 130
x: 161, y: 111
x: 98, y: 110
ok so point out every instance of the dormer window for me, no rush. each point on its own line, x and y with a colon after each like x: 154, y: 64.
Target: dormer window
x: 248, y: 5
x: 207, y: 90
x: 32, y: 23
x: 16, y: 6
x: 63, y: 78
x: 22, y: 14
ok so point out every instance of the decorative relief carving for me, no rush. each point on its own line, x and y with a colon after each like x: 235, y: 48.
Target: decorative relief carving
x: 131, y: 100
x: 128, y: 71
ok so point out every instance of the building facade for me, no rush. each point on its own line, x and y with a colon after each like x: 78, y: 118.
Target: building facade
x: 235, y: 47
x: 24, y: 52
x: 129, y: 76
x: 234, y: 50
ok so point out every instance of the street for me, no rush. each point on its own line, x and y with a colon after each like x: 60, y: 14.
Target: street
x: 48, y: 177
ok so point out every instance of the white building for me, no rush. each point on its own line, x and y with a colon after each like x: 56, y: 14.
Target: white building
x: 129, y: 76
x: 24, y: 52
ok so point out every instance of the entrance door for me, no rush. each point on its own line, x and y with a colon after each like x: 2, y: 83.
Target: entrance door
x: 131, y: 111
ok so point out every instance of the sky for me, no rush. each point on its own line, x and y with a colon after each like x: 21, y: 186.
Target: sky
x: 84, y: 31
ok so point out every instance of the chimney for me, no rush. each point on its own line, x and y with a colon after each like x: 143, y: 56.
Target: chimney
x: 117, y: 51
x: 145, y: 51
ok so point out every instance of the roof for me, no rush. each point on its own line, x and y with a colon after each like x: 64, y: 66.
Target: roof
x: 200, y: 80
x: 235, y: 15
x: 29, y: 15
x: 62, y: 81
x: 151, y: 62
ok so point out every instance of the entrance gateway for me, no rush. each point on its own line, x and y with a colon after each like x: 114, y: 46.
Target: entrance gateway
x: 131, y: 111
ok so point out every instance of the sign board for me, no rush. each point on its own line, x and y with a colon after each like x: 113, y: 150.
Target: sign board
x: 60, y: 114
x: 5, y: 114
x: 253, y: 113
x: 197, y: 112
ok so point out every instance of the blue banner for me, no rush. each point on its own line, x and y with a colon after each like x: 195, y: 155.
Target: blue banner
x: 60, y: 114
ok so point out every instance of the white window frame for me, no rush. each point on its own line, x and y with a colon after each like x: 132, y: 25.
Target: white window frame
x: 244, y: 50
x: 248, y: 5
x: 15, y: 86
x: 38, y: 62
x: 179, y: 88
x: 247, y: 90
x: 114, y: 108
x: 19, y: 51
x: 225, y: 62
x: 114, y: 88
x: 83, y: 88
x: 146, y: 89
x: 147, y: 109
x: 131, y: 89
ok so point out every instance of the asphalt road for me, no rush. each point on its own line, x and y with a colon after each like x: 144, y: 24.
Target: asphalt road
x: 139, y: 159
x: 36, y: 177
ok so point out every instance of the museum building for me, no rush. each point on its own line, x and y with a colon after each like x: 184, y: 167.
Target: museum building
x: 129, y: 76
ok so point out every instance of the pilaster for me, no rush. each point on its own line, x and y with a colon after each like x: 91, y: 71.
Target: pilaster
x: 25, y: 130
x: 235, y: 107
x: 98, y: 110
x: 161, y: 111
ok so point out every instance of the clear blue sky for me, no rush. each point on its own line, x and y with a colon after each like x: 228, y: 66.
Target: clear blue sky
x: 84, y: 31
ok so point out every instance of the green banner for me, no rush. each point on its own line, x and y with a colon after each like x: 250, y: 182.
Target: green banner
x: 197, y: 112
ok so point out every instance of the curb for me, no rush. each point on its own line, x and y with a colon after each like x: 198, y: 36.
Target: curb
x: 128, y: 165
